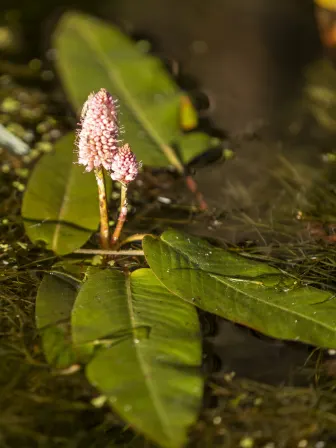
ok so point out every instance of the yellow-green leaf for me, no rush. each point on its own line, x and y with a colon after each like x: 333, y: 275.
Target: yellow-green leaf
x: 92, y: 54
x: 149, y: 357
x: 244, y: 291
x: 60, y: 206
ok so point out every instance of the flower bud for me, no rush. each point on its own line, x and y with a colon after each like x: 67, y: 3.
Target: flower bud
x: 124, y: 166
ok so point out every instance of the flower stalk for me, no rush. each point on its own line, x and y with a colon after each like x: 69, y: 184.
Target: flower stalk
x: 122, y: 216
x: 98, y: 149
x: 104, y: 220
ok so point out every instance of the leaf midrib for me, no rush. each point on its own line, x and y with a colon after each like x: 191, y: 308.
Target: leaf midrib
x: 129, y: 99
x: 143, y: 365
x: 229, y: 285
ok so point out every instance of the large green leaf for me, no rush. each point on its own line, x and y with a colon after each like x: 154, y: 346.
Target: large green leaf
x: 148, y: 364
x: 60, y: 205
x: 250, y: 293
x: 92, y: 54
x: 54, y: 302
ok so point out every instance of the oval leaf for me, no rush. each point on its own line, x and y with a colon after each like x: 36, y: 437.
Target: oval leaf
x: 54, y: 302
x: 93, y: 54
x: 150, y: 373
x: 60, y: 205
x: 250, y: 293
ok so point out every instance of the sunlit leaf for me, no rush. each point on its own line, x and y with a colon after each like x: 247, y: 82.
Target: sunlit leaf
x: 188, y: 114
x: 328, y: 4
x: 250, y: 293
x: 194, y: 142
x: 92, y: 54
x: 60, y: 206
x: 149, y: 356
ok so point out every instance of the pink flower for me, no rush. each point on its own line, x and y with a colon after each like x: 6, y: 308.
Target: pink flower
x: 124, y: 166
x: 97, y: 139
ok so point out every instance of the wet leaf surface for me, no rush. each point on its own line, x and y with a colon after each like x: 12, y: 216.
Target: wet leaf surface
x: 149, y: 356
x: 244, y: 291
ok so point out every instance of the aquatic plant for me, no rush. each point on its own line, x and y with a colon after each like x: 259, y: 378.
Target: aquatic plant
x: 125, y: 311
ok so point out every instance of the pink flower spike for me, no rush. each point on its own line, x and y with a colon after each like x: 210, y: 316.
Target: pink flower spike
x: 124, y: 166
x: 97, y: 138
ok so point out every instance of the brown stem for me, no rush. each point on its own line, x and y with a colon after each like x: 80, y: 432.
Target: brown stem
x: 104, y: 222
x: 122, y: 216
x: 192, y: 186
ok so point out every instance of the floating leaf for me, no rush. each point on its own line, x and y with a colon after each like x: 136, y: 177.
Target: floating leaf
x: 54, y: 302
x: 244, y: 291
x: 60, y: 205
x: 93, y: 54
x: 150, y: 369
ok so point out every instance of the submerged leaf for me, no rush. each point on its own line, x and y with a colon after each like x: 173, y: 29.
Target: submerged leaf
x: 244, y: 291
x: 93, y: 54
x: 60, y: 206
x: 148, y: 364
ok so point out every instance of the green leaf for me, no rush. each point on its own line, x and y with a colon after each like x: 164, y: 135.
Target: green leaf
x: 150, y: 371
x: 188, y: 114
x: 54, y: 302
x: 250, y: 293
x: 92, y: 54
x: 193, y: 144
x: 60, y: 205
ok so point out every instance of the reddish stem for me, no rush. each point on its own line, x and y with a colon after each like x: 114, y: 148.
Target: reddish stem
x: 122, y: 216
x: 192, y: 186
